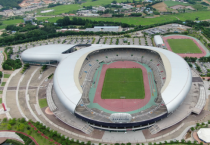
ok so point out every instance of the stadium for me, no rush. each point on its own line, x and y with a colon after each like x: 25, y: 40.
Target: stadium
x: 118, y: 87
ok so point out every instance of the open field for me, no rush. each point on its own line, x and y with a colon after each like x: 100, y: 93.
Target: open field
x: 203, y: 15
x: 69, y: 8
x: 123, y: 83
x: 10, y: 22
x: 183, y: 46
x: 173, y: 3
x: 160, y: 7
x: 60, y: 9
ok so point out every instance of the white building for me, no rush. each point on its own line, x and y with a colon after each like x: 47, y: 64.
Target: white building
x: 105, y: 29
x: 204, y: 134
x: 158, y: 40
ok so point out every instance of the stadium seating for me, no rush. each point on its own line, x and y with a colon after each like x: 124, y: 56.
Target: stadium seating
x: 50, y: 101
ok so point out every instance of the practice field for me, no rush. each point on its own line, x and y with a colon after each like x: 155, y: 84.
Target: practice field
x: 174, y: 3
x: 183, y: 46
x: 123, y: 83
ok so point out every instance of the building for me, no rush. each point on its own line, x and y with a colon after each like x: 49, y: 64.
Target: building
x: 105, y: 29
x: 91, y: 15
x: 70, y: 90
x: 158, y: 40
x: 82, y: 12
x: 64, y: 30
x: 28, y: 19
x: 204, y: 134
x: 106, y: 15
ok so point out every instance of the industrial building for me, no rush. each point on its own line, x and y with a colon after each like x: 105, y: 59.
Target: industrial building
x: 105, y: 29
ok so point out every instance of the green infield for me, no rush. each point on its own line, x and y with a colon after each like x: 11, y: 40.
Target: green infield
x: 123, y: 83
x: 183, y: 46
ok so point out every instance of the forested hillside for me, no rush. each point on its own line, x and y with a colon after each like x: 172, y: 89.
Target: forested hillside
x: 10, y: 3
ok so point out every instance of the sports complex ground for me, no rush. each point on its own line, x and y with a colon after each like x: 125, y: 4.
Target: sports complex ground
x: 185, y: 46
x: 130, y: 105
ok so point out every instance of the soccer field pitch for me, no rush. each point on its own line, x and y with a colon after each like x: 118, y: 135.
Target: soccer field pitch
x: 183, y: 46
x: 123, y: 83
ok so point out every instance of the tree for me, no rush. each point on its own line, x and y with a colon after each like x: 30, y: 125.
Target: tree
x: 182, y: 140
x: 114, y: 2
x: 0, y: 74
x: 198, y: 7
x: 4, y: 34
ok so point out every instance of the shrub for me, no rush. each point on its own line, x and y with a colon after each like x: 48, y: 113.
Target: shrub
x: 22, y: 120
x: 0, y: 74
x: 182, y: 140
x: 9, y: 127
x: 5, y: 120
x: 12, y: 121
x: 44, y: 67
x: 11, y: 64
x: 26, y: 139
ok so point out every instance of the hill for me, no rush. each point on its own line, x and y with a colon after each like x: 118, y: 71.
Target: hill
x: 10, y: 3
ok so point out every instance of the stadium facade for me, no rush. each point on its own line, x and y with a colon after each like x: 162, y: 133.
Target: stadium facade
x: 71, y: 91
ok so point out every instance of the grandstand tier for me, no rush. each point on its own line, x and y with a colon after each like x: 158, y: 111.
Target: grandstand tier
x: 144, y: 116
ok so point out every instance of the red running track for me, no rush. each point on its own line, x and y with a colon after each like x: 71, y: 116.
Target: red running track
x: 122, y: 105
x: 183, y: 54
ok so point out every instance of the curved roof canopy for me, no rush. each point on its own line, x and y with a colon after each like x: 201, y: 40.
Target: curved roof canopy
x: 66, y: 77
x: 204, y: 134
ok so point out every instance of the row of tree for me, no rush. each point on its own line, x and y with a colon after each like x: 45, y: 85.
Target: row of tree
x: 49, y: 30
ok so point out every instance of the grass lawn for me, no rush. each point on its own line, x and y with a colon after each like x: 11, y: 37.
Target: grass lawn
x: 183, y: 46
x: 43, y: 103
x: 10, y: 22
x: 3, y: 83
x: 0, y: 100
x: 6, y: 75
x: 1, y: 92
x: 173, y: 3
x: 123, y: 83
x: 60, y: 9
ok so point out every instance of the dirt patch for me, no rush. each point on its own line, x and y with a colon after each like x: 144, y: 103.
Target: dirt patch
x: 177, y: 7
x: 160, y: 7
x: 138, y: 6
x: 188, y: 135
x: 206, y: 1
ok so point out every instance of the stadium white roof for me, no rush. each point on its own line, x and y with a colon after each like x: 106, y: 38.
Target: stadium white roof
x: 204, y: 134
x: 158, y: 40
x: 66, y: 77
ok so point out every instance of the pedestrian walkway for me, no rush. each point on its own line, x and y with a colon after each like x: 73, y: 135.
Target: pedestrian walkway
x: 10, y: 135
